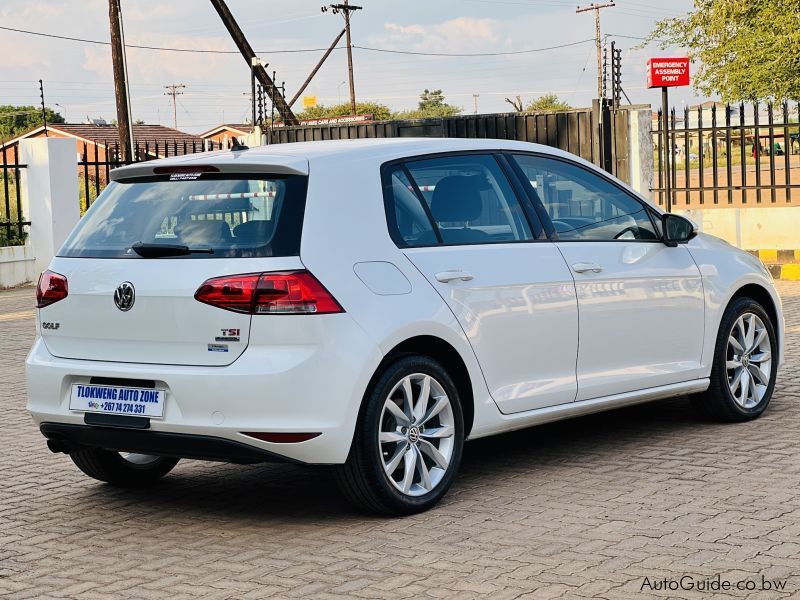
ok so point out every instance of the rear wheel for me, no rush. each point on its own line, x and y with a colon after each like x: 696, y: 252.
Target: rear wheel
x: 408, y: 442
x: 122, y: 469
x: 745, y: 365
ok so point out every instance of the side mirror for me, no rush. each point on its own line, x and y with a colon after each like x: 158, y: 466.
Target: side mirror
x: 677, y: 229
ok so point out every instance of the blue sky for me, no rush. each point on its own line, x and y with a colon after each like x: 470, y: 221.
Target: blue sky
x: 77, y: 76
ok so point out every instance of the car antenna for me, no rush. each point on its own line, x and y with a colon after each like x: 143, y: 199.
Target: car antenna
x: 238, y: 146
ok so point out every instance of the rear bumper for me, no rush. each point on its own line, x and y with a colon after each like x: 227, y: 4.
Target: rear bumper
x: 63, y: 437
x: 305, y: 387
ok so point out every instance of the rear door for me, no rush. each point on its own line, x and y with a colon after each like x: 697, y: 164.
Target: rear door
x: 125, y: 307
x: 640, y: 302
x: 462, y: 225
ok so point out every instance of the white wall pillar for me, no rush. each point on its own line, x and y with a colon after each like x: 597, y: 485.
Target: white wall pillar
x: 49, y: 194
x: 641, y: 150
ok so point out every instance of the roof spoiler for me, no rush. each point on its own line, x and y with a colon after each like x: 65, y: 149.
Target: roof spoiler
x: 223, y: 162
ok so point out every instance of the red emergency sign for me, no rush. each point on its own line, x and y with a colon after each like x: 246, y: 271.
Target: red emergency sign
x: 667, y: 72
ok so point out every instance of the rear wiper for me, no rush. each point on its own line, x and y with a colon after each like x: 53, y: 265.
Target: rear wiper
x: 160, y: 250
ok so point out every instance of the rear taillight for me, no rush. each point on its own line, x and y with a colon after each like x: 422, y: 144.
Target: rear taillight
x: 284, y: 293
x: 52, y: 288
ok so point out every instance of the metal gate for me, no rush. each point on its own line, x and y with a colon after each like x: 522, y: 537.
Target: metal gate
x: 13, y: 226
x: 729, y: 155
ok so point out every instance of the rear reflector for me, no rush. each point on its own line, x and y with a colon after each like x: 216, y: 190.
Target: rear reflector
x: 281, y: 438
x: 52, y: 287
x: 283, y: 293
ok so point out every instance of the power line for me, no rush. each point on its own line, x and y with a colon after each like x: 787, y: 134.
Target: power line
x: 473, y: 54
x: 298, y: 50
x: 166, y: 49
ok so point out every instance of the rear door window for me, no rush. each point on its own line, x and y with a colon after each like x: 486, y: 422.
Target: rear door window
x: 223, y: 215
x: 466, y: 198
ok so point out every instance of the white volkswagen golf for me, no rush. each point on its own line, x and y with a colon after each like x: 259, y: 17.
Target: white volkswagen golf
x: 373, y: 304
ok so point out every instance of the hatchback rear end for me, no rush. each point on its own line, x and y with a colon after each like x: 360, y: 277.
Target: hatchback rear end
x: 178, y: 320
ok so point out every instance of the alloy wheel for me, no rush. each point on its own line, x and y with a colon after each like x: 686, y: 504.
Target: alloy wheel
x: 416, y: 435
x: 748, y: 360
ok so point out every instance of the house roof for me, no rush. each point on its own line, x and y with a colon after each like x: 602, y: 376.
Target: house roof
x: 109, y: 134
x: 240, y: 128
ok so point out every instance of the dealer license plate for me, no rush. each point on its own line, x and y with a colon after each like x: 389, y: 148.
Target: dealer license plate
x: 117, y: 400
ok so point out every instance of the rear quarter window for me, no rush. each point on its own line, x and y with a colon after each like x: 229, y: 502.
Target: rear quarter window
x: 232, y: 216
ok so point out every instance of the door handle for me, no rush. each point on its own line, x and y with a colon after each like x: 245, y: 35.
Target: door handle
x: 454, y: 275
x: 583, y: 267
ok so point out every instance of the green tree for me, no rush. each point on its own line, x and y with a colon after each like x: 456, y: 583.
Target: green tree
x: 16, y: 120
x: 431, y: 104
x: 380, y: 112
x: 545, y: 103
x: 742, y: 50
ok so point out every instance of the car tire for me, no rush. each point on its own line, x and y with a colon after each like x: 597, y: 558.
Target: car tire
x: 745, y: 365
x: 404, y: 457
x: 133, y: 470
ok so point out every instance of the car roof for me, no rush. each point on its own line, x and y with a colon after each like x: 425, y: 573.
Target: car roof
x: 295, y: 157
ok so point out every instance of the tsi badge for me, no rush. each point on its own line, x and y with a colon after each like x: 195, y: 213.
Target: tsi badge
x: 228, y: 335
x: 125, y: 296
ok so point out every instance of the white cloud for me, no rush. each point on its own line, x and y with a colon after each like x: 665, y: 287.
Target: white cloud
x: 462, y: 34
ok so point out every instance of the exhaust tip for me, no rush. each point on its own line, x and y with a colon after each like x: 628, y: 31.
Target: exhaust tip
x: 57, y: 447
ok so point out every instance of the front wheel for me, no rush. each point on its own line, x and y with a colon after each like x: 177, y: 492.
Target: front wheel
x: 745, y: 365
x: 408, y: 442
x: 122, y: 469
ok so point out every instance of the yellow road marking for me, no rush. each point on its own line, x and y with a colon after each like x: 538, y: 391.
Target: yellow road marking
x: 767, y: 256
x: 790, y: 272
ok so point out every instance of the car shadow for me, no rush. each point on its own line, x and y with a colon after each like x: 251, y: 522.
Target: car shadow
x: 304, y: 494
x: 606, y: 431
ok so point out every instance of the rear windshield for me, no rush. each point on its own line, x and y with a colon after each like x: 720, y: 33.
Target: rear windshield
x: 229, y: 215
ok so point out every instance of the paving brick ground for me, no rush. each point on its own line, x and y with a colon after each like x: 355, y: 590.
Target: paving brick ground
x: 580, y: 509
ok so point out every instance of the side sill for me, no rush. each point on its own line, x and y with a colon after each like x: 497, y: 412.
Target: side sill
x: 559, y: 412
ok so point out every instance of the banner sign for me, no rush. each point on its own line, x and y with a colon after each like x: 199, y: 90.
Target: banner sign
x: 345, y: 120
x: 667, y: 72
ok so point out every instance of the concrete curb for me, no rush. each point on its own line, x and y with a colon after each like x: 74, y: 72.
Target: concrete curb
x: 783, y: 264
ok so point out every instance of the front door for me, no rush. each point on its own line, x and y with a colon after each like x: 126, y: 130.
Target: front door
x: 640, y: 303
x: 465, y: 230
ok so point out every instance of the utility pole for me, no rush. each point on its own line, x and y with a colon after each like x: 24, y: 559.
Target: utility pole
x: 121, y: 92
x: 316, y: 68
x: 597, y: 40
x: 174, y: 90
x: 475, y: 102
x: 44, y: 111
x: 248, y: 54
x: 345, y: 8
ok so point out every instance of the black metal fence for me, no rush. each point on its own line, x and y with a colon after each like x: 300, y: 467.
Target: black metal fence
x: 729, y: 155
x: 13, y: 226
x: 97, y: 160
x: 596, y: 134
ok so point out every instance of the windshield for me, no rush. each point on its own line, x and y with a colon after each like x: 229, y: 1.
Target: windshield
x: 215, y: 215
